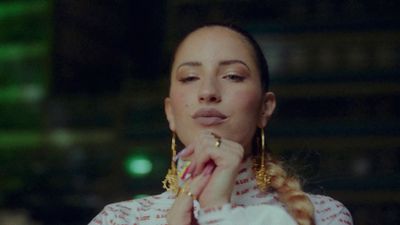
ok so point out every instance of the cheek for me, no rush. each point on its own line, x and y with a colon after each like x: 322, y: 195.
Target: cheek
x: 180, y: 101
x: 246, y: 107
x: 247, y: 101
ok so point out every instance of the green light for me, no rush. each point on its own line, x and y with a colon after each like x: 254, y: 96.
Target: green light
x: 33, y: 93
x: 20, y: 139
x: 139, y: 196
x: 28, y: 93
x: 19, y: 51
x: 138, y: 165
x: 62, y: 137
x: 16, y: 9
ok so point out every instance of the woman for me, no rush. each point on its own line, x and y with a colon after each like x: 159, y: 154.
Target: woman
x: 218, y: 107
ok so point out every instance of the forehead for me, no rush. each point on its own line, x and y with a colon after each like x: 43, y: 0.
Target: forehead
x: 210, y: 43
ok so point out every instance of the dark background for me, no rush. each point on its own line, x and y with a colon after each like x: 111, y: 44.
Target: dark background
x: 82, y: 86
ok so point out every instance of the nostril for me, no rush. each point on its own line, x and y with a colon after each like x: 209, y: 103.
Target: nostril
x: 213, y: 99
x: 209, y: 99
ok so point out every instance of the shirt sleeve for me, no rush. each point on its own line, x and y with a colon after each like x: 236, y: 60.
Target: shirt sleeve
x: 329, y: 211
x: 340, y: 217
x: 254, y: 215
x: 115, y: 214
x: 343, y: 218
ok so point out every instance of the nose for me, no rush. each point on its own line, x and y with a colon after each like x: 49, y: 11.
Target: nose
x: 209, y: 91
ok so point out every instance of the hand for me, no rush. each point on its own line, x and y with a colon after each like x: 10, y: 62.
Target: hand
x: 225, y: 161
x: 181, y: 212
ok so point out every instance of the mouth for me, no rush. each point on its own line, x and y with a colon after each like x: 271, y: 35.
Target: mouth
x: 209, y: 117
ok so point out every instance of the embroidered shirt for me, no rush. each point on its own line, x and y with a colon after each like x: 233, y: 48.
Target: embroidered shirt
x: 248, y: 206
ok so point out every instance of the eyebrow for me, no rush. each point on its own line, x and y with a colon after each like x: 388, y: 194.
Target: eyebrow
x: 221, y: 63
x: 233, y: 61
x: 194, y: 63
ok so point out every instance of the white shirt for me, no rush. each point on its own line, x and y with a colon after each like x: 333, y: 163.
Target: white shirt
x: 248, y: 206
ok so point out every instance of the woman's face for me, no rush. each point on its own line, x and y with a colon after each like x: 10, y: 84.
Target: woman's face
x: 216, y: 87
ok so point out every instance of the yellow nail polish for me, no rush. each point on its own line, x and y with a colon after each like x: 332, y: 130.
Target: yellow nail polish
x: 184, y: 169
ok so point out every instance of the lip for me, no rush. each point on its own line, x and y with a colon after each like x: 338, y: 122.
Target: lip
x: 209, y: 117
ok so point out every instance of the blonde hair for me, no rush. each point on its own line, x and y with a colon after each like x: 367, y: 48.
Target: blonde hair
x: 291, y: 194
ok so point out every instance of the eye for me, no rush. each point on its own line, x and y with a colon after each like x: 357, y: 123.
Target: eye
x: 234, y: 77
x: 188, y: 79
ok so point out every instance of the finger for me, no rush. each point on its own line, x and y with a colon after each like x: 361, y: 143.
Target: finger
x: 226, y: 155
x: 198, y: 183
x: 195, y: 185
x: 180, y: 213
x: 184, y: 153
x: 184, y: 171
x: 206, y: 153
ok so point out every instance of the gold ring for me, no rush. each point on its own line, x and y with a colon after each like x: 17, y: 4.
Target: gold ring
x: 218, y: 142
x: 188, y: 193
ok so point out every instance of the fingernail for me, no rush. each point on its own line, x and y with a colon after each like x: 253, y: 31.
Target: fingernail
x: 187, y: 176
x: 182, y: 152
x: 190, y: 169
x: 184, y: 170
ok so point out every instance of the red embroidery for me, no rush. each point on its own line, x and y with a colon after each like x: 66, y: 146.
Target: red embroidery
x: 212, y: 209
x: 242, y: 170
x: 242, y: 181
x: 144, y: 218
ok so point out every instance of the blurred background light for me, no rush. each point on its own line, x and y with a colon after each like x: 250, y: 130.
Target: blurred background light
x: 140, y: 196
x: 16, y: 9
x: 30, y: 93
x: 62, y: 137
x: 138, y: 165
x: 20, y: 139
x: 20, y: 51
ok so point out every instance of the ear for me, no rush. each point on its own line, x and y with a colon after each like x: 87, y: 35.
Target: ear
x: 267, y: 108
x: 169, y: 113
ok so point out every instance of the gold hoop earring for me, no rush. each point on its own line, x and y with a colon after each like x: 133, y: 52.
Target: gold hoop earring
x: 263, y: 178
x: 170, y: 182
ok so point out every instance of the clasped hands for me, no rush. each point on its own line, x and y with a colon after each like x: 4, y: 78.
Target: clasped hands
x: 210, y: 177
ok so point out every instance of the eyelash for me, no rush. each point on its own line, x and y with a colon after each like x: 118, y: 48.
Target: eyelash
x: 188, y: 79
x: 234, y: 77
